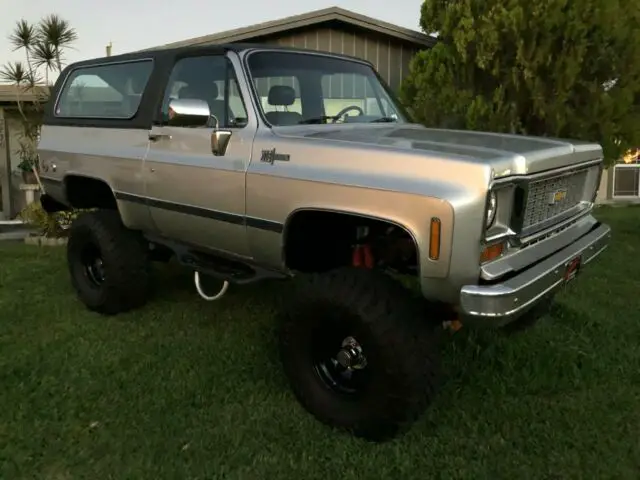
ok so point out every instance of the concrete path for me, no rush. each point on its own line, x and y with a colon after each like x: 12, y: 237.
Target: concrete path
x: 11, y: 231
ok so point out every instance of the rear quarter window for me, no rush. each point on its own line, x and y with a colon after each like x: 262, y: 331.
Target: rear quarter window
x: 109, y: 91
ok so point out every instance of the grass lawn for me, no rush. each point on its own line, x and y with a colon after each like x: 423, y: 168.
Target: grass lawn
x: 190, y: 390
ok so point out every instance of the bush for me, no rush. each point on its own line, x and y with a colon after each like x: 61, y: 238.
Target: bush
x: 52, y: 225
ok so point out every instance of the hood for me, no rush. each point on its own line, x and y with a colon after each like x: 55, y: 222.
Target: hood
x: 507, y: 154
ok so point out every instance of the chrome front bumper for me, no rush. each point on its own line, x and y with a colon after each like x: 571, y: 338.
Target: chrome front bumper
x: 501, y: 303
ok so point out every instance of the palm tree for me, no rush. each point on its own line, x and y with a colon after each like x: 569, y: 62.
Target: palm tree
x: 24, y: 35
x: 43, y: 45
x: 45, y: 56
x: 15, y: 72
x: 57, y: 34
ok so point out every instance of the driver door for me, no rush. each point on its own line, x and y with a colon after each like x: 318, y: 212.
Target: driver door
x: 194, y: 195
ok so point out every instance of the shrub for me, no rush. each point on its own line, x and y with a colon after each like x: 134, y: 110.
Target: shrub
x: 52, y: 225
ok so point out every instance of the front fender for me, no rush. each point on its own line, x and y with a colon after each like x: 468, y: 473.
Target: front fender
x: 51, y: 205
x: 410, y: 212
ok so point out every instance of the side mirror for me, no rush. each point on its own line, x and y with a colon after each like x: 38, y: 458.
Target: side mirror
x: 189, y: 112
x: 219, y: 138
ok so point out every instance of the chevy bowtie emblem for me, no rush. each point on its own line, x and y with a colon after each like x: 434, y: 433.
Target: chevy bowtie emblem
x: 557, y: 196
x: 270, y: 156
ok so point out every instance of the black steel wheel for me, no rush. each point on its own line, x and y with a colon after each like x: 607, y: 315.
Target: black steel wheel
x: 358, y: 352
x: 108, y: 263
x: 91, y: 259
x: 339, y: 360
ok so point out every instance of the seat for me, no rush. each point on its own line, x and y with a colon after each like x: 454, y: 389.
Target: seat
x: 207, y: 92
x: 282, y: 96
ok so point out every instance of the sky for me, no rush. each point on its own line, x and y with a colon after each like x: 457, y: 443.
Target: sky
x: 137, y: 24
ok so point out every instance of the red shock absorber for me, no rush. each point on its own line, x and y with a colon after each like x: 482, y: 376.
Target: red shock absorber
x: 362, y: 256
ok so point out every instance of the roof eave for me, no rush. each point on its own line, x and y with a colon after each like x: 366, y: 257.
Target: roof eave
x: 305, y: 20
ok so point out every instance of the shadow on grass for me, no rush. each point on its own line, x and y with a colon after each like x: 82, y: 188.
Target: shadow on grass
x: 561, y: 312
x: 252, y: 312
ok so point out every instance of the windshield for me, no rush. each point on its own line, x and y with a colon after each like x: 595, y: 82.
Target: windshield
x: 297, y: 88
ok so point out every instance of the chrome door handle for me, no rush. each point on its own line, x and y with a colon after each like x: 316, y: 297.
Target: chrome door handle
x: 157, y: 136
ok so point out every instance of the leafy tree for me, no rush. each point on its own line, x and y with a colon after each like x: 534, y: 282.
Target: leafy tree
x: 561, y: 68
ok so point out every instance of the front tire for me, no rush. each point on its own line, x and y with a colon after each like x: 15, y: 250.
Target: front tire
x: 108, y: 263
x: 358, y: 353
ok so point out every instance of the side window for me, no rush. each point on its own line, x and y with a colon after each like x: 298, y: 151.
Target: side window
x: 111, y: 91
x: 212, y: 79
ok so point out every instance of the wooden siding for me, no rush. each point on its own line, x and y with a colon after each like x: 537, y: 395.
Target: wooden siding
x: 390, y: 56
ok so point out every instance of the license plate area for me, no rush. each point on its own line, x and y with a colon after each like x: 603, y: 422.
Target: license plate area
x: 572, y: 269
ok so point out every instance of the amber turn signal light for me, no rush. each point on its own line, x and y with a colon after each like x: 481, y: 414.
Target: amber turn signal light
x: 491, y: 252
x: 434, y: 239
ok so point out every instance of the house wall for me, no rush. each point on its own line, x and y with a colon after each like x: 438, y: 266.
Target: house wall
x: 10, y: 181
x: 390, y: 56
x: 13, y: 120
x: 5, y: 189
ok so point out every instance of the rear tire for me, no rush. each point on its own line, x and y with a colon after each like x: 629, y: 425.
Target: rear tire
x: 108, y: 263
x: 382, y: 323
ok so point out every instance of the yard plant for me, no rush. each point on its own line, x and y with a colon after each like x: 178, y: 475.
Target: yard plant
x: 44, y: 45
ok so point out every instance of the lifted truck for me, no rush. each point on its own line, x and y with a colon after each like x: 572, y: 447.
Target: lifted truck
x: 253, y: 162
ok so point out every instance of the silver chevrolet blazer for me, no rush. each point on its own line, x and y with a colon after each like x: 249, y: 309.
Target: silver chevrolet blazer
x: 252, y: 162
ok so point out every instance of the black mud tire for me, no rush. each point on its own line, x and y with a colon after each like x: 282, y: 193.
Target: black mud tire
x: 125, y: 268
x: 401, y: 348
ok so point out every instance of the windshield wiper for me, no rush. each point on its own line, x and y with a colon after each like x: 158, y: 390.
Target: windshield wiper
x: 322, y: 119
x: 384, y: 120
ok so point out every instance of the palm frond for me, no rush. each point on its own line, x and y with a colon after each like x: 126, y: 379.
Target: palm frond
x: 56, y: 31
x: 14, y: 72
x: 44, y: 55
x: 33, y: 79
x: 23, y: 35
x: 60, y: 59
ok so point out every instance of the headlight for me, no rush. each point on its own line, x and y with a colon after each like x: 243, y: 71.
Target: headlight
x: 492, y: 207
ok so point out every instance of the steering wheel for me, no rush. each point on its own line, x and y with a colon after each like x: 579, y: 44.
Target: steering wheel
x: 342, y: 112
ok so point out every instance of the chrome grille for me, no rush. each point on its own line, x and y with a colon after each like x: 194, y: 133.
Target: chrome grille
x: 549, y: 197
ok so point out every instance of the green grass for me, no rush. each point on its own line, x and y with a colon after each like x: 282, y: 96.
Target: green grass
x: 189, y: 390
